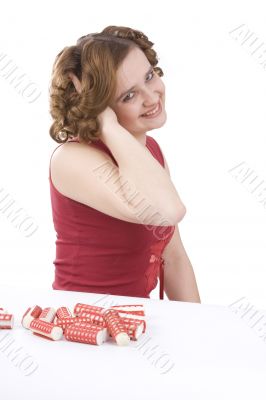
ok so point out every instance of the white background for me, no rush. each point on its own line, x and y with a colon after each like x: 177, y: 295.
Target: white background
x: 215, y: 100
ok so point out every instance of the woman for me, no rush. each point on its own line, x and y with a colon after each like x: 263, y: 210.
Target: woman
x: 115, y: 208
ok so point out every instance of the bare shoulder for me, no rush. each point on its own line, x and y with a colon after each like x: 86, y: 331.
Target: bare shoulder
x: 71, y: 160
x: 71, y: 148
x: 89, y: 175
x: 75, y: 155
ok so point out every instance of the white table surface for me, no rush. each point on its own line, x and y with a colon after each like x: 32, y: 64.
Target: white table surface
x: 189, y: 351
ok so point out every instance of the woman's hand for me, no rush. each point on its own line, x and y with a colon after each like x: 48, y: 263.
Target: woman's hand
x: 107, y: 119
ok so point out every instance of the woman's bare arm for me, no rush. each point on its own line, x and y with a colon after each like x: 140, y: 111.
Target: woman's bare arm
x: 144, y: 174
x: 179, y: 278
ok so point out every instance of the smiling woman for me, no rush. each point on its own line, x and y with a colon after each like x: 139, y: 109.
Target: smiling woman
x: 114, y: 205
x: 95, y: 66
x: 142, y: 107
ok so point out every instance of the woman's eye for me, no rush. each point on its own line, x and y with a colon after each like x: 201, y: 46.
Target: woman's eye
x: 151, y: 73
x: 127, y: 97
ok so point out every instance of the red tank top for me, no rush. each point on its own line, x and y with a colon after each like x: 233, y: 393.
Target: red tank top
x: 99, y: 253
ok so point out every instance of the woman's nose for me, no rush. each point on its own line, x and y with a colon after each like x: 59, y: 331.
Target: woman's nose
x: 150, y: 98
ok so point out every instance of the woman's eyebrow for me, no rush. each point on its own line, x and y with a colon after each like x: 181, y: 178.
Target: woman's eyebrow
x: 133, y: 87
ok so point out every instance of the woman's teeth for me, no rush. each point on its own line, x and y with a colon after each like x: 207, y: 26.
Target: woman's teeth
x: 152, y: 112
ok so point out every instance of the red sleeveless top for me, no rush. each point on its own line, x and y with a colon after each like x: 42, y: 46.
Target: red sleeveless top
x: 99, y: 253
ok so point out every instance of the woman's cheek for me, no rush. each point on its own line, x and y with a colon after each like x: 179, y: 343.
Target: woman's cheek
x: 128, y: 114
x: 136, y: 111
x: 120, y: 113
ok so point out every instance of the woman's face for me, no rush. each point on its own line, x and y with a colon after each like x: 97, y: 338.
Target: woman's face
x: 139, y: 90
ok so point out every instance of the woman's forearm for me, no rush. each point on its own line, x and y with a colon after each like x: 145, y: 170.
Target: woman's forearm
x: 144, y: 175
x: 179, y: 280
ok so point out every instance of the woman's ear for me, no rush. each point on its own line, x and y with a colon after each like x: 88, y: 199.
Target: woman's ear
x: 76, y: 82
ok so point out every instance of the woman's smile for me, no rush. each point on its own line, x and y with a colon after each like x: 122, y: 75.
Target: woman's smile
x: 154, y: 113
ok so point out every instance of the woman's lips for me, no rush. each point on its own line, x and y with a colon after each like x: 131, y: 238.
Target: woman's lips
x: 154, y: 115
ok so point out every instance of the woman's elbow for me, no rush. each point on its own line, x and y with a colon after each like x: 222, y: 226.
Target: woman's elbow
x: 178, y: 215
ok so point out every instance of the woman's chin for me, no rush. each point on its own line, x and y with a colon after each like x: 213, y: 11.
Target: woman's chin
x: 160, y: 121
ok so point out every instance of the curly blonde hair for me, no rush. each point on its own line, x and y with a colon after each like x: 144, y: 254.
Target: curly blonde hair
x: 94, y: 60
